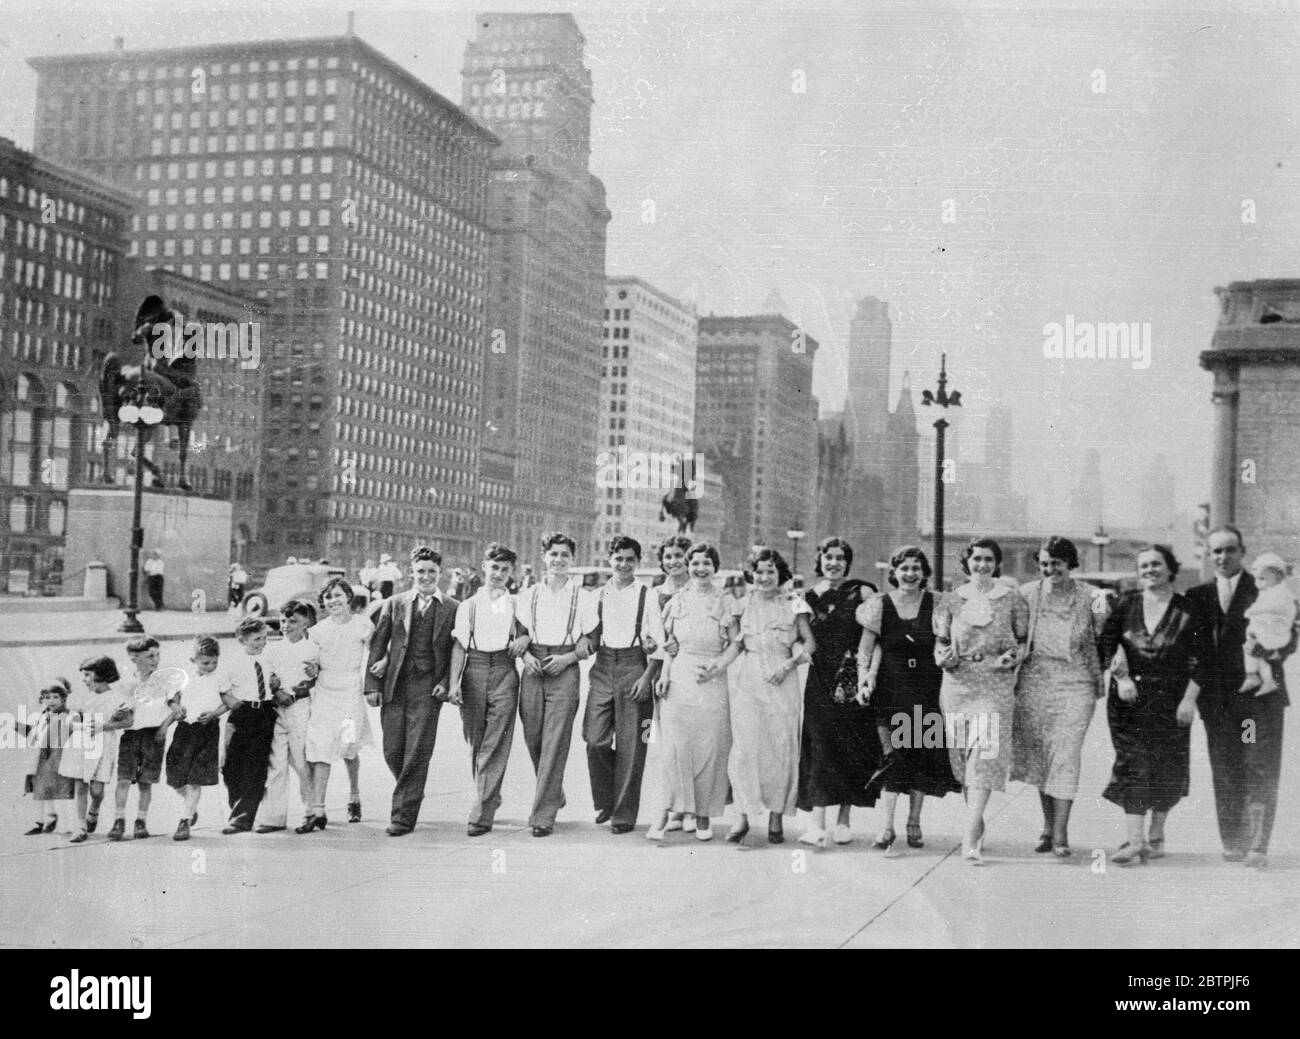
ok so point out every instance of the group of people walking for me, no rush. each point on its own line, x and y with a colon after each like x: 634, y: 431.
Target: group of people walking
x: 908, y: 692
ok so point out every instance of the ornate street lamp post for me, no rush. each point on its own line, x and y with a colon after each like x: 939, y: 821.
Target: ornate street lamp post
x: 144, y: 416
x: 945, y: 400
x: 1101, y: 539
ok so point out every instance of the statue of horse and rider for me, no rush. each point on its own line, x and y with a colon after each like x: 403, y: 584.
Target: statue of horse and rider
x: 168, y: 383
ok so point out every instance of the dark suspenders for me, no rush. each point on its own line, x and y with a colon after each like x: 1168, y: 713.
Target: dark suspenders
x: 573, y: 612
x: 640, y: 613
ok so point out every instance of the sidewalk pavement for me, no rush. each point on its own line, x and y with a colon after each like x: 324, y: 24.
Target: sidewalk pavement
x: 99, y: 627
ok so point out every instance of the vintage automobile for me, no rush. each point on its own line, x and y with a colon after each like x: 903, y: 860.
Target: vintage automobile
x: 291, y: 581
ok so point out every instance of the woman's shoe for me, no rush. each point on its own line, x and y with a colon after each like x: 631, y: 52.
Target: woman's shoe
x: 51, y: 824
x: 1126, y: 853
x: 842, y: 835
x: 705, y: 834
x: 689, y: 825
x: 775, y: 834
x: 656, y: 833
x: 1061, y: 851
x: 1044, y: 844
x: 815, y: 837
x: 1156, y: 848
x: 312, y: 822
x: 36, y: 830
x: 914, y: 836
x: 354, y: 811
x: 674, y: 823
x: 737, y: 834
x: 884, y: 841
x: 78, y: 837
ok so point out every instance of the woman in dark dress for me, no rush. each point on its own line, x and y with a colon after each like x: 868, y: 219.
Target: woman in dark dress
x: 839, y: 750
x: 1154, y: 629
x: 902, y: 686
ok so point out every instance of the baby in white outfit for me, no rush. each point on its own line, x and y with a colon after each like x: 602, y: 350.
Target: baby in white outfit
x: 1270, y: 620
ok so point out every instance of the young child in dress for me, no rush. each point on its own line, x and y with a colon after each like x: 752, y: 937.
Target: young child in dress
x: 139, y: 752
x: 196, y: 746
x: 1270, y: 620
x: 47, y: 734
x: 90, y: 756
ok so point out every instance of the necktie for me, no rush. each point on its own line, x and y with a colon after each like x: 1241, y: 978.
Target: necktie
x: 1225, y: 595
x: 261, y: 682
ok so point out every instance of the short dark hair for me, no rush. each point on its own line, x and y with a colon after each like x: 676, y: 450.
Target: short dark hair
x: 1166, y: 553
x: 249, y: 626
x: 422, y: 553
x: 825, y: 546
x: 142, y: 644
x: 206, y: 646
x: 1061, y: 548
x: 763, y: 554
x: 706, y: 549
x: 103, y: 668
x: 619, y: 542
x: 676, y: 541
x: 1227, y: 528
x: 330, y: 585
x: 909, y: 552
x: 497, y: 553
x: 299, y: 608
x: 557, y: 538
x: 969, y: 551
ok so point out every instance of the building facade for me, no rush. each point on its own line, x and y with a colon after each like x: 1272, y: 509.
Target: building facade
x: 524, y: 78
x: 63, y: 237
x: 350, y: 199
x: 756, y: 423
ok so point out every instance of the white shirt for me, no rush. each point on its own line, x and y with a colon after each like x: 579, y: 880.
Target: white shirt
x: 545, y: 613
x: 289, y: 660
x: 617, y: 608
x: 243, y: 677
x: 422, y: 602
x: 153, y: 566
x: 493, y: 619
x: 203, y: 693
x: 1227, y: 589
x: 147, y: 716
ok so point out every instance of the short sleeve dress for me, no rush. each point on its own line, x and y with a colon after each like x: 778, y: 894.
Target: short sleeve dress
x: 339, y: 724
x: 93, y: 759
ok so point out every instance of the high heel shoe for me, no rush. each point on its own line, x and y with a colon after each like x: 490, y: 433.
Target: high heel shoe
x: 815, y: 837
x: 843, y: 835
x: 1126, y: 853
x: 1156, y: 848
x: 884, y: 841
x: 312, y: 822
x: 737, y: 834
x: 775, y: 834
x: 1061, y: 851
x: 914, y: 836
x: 973, y: 852
x: 1044, y: 844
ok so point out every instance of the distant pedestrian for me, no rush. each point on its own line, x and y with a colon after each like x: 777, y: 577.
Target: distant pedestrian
x: 153, y: 577
x: 238, y: 581
x: 388, y: 574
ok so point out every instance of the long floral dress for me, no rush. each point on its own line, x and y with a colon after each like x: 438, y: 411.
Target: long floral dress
x: 978, y: 697
x: 839, y: 750
x: 1059, y: 684
x: 694, y: 721
x: 764, y: 765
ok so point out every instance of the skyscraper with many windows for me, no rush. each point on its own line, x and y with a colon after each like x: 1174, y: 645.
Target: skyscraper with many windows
x: 348, y: 197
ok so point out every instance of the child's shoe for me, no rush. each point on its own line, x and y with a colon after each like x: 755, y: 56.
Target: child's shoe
x: 139, y: 833
x: 118, y: 831
x: 182, y: 831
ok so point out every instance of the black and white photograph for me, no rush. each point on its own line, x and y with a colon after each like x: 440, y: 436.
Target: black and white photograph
x: 691, y: 475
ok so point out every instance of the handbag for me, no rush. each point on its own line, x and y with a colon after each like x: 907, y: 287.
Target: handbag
x: 846, y: 678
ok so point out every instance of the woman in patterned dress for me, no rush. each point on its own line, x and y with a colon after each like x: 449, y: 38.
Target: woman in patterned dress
x: 1060, y: 682
x: 765, y: 701
x: 1149, y: 713
x: 838, y: 751
x: 901, y: 685
x: 694, y: 723
x: 672, y: 561
x: 980, y: 629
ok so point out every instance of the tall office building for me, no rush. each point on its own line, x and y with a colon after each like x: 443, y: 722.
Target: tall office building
x: 524, y: 78
x: 867, y: 403
x: 756, y: 422
x: 348, y: 197
x: 647, y: 392
x: 63, y: 237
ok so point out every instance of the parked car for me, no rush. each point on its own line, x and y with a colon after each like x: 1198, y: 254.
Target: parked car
x: 292, y: 581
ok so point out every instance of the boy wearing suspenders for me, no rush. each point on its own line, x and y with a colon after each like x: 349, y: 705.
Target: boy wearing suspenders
x: 557, y: 613
x: 484, y: 682
x: 620, y: 700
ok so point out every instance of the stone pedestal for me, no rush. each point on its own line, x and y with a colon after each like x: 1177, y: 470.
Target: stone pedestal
x: 193, y: 535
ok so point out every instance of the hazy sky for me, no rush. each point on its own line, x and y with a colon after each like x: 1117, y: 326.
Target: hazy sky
x: 1091, y: 161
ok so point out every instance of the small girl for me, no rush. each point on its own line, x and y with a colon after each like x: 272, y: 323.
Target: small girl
x: 48, y: 734
x: 90, y: 757
x: 192, y: 756
x: 1270, y: 620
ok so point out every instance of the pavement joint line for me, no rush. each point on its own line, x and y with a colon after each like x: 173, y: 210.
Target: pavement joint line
x: 1006, y: 803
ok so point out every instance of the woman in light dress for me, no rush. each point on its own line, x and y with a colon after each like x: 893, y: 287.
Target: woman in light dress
x: 1059, y: 685
x: 766, y: 699
x: 980, y: 629
x: 700, y: 622
x: 338, y: 726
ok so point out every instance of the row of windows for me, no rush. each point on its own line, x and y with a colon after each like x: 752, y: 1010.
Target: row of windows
x: 513, y: 88
x: 216, y: 93
x: 142, y: 72
x: 302, y: 271
x: 289, y: 140
x: 67, y: 320
x: 207, y: 221
x: 252, y: 117
x: 230, y: 168
x: 64, y: 210
x: 31, y: 274
x: 225, y: 246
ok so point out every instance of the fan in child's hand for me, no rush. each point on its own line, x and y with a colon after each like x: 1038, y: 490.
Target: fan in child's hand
x: 162, y: 685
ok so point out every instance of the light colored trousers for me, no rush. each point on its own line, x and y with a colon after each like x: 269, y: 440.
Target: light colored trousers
x: 288, y: 752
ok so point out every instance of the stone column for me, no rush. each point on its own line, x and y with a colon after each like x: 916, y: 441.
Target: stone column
x: 1223, y: 472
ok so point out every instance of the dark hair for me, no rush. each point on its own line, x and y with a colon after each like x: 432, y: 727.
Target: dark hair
x: 1226, y: 528
x: 705, y: 548
x: 359, y: 602
x: 829, y: 543
x: 103, y: 668
x: 677, y: 540
x: 1061, y: 548
x: 496, y: 553
x: 762, y: 554
x: 1166, y: 553
x: 909, y: 552
x: 56, y: 687
x: 330, y: 585
x: 142, y: 644
x: 969, y: 551
x: 423, y: 553
x: 206, y: 646
x: 557, y: 538
x: 249, y: 626
x: 299, y: 608
x: 619, y: 542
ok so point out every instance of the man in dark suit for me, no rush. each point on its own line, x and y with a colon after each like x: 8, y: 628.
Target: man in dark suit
x: 407, y: 676
x: 1244, y: 731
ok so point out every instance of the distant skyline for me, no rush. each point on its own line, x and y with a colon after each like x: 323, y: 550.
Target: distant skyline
x: 988, y: 170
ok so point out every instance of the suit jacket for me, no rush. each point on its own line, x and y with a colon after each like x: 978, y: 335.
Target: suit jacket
x: 390, y: 641
x: 1220, y: 637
